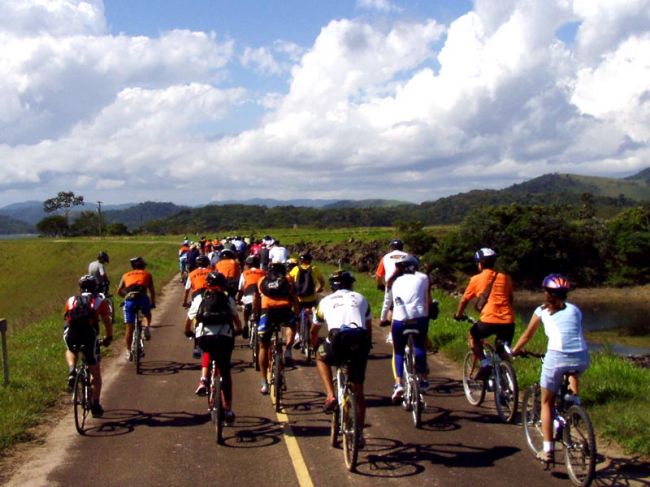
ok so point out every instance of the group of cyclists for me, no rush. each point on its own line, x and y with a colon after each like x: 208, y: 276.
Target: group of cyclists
x: 273, y: 288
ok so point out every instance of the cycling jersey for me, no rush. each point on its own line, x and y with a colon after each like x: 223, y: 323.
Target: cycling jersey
x: 317, y: 276
x: 563, y: 328
x: 278, y: 254
x: 343, y: 308
x: 196, y: 280
x: 386, y: 266
x: 409, y: 295
x: 498, y: 309
x: 136, y: 280
x: 229, y: 268
x: 274, y: 302
x: 248, y: 284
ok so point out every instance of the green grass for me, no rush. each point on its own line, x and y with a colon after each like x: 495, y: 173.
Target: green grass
x: 37, y: 276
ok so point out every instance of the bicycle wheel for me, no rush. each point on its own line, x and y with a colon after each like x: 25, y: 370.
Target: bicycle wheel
x: 304, y: 336
x: 136, y: 346
x: 334, y: 425
x: 81, y: 400
x: 350, y: 431
x: 416, y: 402
x: 531, y: 418
x: 474, y: 389
x: 218, y: 416
x: 277, y: 376
x: 255, y: 346
x: 579, y: 446
x: 506, y: 392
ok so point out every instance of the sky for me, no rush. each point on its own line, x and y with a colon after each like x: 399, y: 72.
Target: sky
x: 193, y: 101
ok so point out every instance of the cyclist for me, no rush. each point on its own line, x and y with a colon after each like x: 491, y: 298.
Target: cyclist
x: 217, y: 320
x: 277, y: 252
x: 248, y: 289
x: 408, y: 291
x: 133, y: 287
x: 192, y: 255
x: 566, y: 351
x: 196, y: 283
x: 309, y: 281
x: 97, y: 270
x: 278, y: 304
x: 81, y: 329
x: 349, y: 339
x: 182, y: 255
x: 228, y: 265
x: 384, y: 272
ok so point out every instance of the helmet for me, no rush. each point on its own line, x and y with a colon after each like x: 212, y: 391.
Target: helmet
x: 203, y: 261
x: 102, y: 257
x: 341, y: 280
x: 214, y: 279
x: 485, y: 254
x: 278, y: 266
x: 252, y: 261
x: 306, y: 257
x: 291, y: 262
x: 88, y: 283
x: 138, y: 263
x: 186, y: 242
x: 408, y: 263
x: 227, y: 254
x: 557, y: 285
x: 396, y: 244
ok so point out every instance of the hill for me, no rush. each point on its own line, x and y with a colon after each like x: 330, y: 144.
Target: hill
x: 372, y: 203
x: 11, y: 226
x: 138, y: 215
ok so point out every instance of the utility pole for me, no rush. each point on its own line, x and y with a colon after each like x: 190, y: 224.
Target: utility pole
x: 99, y: 211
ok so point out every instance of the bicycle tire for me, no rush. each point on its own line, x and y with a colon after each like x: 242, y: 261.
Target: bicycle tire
x: 579, y: 446
x: 506, y: 392
x: 474, y: 389
x: 81, y: 400
x: 219, y: 415
x: 304, y: 337
x: 416, y: 402
x: 531, y: 419
x: 350, y: 432
x: 255, y: 346
x: 137, y: 346
x: 336, y: 415
x: 277, y: 376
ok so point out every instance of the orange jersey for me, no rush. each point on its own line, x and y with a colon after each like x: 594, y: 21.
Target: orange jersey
x: 183, y: 250
x: 498, y: 309
x: 250, y: 278
x: 271, y: 302
x: 229, y: 268
x: 197, y: 279
x: 137, y: 277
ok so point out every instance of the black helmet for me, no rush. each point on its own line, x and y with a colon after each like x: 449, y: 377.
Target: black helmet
x: 138, y: 263
x: 341, y: 280
x: 214, y: 279
x: 408, y: 263
x: 226, y: 254
x: 103, y: 257
x: 203, y: 261
x: 306, y: 257
x: 396, y: 244
x: 278, y: 267
x: 252, y: 261
x: 88, y: 283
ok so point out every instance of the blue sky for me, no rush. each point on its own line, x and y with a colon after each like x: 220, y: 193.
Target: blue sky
x: 202, y: 100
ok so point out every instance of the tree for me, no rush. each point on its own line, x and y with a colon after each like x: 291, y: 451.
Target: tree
x: 63, y: 201
x: 630, y: 246
x: 53, y: 226
x: 87, y: 223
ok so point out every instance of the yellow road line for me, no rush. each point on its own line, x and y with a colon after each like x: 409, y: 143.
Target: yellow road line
x: 299, y: 465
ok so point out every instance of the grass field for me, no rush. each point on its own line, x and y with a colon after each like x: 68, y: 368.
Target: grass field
x: 33, y: 290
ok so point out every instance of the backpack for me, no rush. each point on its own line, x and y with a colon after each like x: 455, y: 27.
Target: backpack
x: 276, y: 285
x: 214, y: 309
x: 82, y: 315
x: 305, y: 282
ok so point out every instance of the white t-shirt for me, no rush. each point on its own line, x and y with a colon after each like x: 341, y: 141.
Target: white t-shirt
x: 278, y: 254
x: 343, y: 308
x: 563, y: 328
x: 409, y: 296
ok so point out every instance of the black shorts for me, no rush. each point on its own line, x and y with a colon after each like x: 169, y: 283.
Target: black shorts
x: 219, y: 347
x: 505, y: 333
x: 86, y: 342
x: 351, y: 346
x: 308, y: 304
x: 273, y: 318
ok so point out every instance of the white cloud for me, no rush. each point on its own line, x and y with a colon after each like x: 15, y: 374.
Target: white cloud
x: 380, y: 5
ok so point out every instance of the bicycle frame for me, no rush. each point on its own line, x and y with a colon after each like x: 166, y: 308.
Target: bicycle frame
x: 215, y: 401
x: 345, y: 419
x: 81, y: 394
x: 413, y: 400
x: 276, y: 368
x: 304, y: 331
x: 137, y: 343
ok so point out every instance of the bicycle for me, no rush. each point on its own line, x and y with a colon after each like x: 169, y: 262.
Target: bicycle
x: 137, y: 342
x: 413, y: 399
x: 81, y: 393
x: 215, y: 400
x: 502, y: 379
x: 254, y: 341
x: 276, y: 368
x: 303, y: 330
x: 345, y: 420
x: 571, y: 427
x: 106, y: 296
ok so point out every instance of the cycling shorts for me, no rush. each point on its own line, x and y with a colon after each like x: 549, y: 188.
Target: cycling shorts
x: 86, y: 342
x: 556, y: 364
x: 271, y: 319
x: 350, y: 346
x: 505, y: 333
x: 140, y: 301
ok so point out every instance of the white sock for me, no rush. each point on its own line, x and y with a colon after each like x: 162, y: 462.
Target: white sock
x: 548, y: 446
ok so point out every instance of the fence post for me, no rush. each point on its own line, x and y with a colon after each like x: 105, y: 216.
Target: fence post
x: 5, y: 358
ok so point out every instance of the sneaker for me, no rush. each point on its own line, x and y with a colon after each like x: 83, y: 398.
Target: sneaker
x: 96, y: 410
x: 389, y: 338
x: 398, y: 392
x: 264, y: 387
x: 129, y: 356
x: 202, y: 389
x: 424, y: 385
x: 296, y: 341
x: 197, y: 352
x: 483, y: 373
x: 71, y: 377
x: 147, y: 333
x: 229, y: 417
x: 330, y: 405
x: 545, y: 456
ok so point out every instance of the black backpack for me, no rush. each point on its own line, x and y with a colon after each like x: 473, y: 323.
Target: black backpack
x: 305, y: 282
x: 276, y: 285
x: 214, y: 309
x: 82, y: 315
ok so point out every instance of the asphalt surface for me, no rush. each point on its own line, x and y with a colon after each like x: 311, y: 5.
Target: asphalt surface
x: 156, y: 432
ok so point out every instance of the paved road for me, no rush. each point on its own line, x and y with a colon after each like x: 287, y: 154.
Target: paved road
x: 156, y: 432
